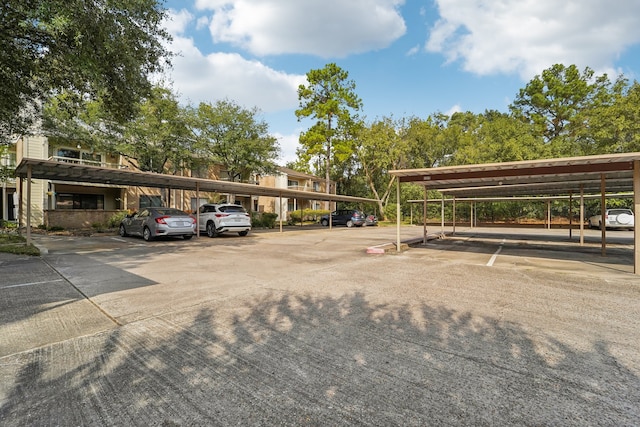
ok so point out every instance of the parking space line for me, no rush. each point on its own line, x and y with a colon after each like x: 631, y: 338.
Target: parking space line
x: 495, y: 255
x: 30, y: 284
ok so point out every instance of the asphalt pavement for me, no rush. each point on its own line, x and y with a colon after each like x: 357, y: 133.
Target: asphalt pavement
x: 487, y: 327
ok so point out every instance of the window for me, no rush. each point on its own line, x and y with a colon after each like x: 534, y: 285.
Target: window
x: 195, y: 204
x: 150, y: 201
x: 68, y: 155
x: 91, y: 158
x: 316, y: 186
x: 292, y: 184
x: 79, y: 201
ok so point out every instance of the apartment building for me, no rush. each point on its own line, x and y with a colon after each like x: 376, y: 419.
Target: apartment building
x: 80, y: 204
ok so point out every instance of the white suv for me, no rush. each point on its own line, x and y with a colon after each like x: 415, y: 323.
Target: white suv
x: 219, y: 218
x: 614, y: 218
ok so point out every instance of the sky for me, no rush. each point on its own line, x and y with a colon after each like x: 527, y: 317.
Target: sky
x: 406, y: 57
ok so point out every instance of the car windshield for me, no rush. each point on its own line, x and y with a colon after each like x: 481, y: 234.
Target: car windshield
x: 232, y: 209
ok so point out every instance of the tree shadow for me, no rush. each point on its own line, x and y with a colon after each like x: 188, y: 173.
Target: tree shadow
x: 313, y: 360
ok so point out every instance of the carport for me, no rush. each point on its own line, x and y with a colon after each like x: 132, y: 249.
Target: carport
x: 29, y: 169
x: 586, y: 175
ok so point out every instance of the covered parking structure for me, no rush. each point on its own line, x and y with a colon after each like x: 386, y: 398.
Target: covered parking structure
x: 29, y: 169
x: 586, y: 175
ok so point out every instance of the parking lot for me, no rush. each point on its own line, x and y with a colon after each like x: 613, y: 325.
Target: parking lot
x: 488, y: 327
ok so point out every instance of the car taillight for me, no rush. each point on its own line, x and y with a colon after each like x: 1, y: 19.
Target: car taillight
x: 221, y: 215
x: 161, y: 219
x: 193, y: 219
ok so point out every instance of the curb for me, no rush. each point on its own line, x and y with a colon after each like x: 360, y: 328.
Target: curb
x: 404, y: 245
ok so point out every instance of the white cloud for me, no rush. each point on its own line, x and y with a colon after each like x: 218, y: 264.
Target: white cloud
x: 528, y: 36
x: 454, y: 109
x: 326, y: 28
x: 288, y: 145
x: 177, y: 22
x: 206, y: 78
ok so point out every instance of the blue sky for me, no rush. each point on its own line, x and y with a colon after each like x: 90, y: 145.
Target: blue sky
x: 407, y: 57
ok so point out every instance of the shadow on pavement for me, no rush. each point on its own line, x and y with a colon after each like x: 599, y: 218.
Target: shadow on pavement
x: 318, y: 361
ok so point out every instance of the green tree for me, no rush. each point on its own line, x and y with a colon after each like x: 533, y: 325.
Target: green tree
x: 330, y: 100
x: 380, y: 149
x: 555, y: 103
x: 231, y: 135
x: 102, y: 50
x: 614, y: 124
x: 496, y: 137
x: 157, y: 139
x: 429, y: 143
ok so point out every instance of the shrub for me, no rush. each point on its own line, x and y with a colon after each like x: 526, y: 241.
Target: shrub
x: 310, y: 215
x: 114, y: 221
x: 264, y: 219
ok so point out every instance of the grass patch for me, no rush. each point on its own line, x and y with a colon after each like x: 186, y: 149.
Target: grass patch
x: 16, y: 244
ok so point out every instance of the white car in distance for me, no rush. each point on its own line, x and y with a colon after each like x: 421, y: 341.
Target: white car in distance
x: 613, y: 218
x: 215, y: 219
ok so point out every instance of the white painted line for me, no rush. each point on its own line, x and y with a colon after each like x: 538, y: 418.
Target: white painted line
x: 495, y: 255
x: 117, y: 239
x: 30, y: 284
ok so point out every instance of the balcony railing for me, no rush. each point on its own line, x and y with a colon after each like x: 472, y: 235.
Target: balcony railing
x: 304, y: 188
x: 87, y: 162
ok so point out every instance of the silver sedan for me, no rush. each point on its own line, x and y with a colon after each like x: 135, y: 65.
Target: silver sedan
x: 156, y: 222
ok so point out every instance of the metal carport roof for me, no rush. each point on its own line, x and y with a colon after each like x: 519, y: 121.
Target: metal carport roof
x: 70, y: 172
x: 59, y: 171
x: 561, y: 176
x: 548, y: 176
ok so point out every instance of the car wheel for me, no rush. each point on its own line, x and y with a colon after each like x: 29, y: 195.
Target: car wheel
x: 187, y: 236
x: 243, y: 233
x: 599, y: 225
x: 349, y: 223
x: 122, y: 231
x: 211, y: 230
x: 325, y: 222
x: 146, y: 234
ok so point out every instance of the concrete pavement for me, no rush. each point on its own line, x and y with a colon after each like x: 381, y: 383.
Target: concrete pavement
x: 306, y: 328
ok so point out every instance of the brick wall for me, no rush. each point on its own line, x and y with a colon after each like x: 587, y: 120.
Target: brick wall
x: 76, y: 218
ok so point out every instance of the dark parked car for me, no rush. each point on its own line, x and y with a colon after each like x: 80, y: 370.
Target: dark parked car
x: 155, y: 222
x: 348, y: 217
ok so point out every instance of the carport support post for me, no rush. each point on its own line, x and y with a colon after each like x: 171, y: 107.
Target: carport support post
x: 28, y: 204
x: 454, y: 215
x: 603, y: 207
x: 636, y: 209
x: 424, y: 216
x: 581, y: 214
x: 197, y: 210
x: 398, y: 214
x: 280, y: 210
x: 442, y: 216
x: 548, y: 214
x: 570, y: 214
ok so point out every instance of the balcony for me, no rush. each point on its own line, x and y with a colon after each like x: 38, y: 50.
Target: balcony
x: 87, y: 162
